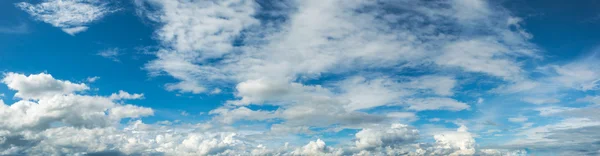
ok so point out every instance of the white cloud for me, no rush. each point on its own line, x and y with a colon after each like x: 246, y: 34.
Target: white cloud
x: 541, y: 100
x: 242, y: 113
x: 136, y: 138
x: 323, y: 66
x: 112, y: 54
x: 92, y: 79
x: 518, y: 119
x: 74, y: 30
x: 440, y: 85
x: 365, y: 94
x: 273, y: 63
x: 553, y: 135
x: 316, y: 148
x: 184, y: 87
x: 341, y: 42
x: 408, y: 116
x: 581, y: 75
x: 397, y: 134
x: 327, y: 63
x: 324, y: 112
x: 83, y: 124
x: 123, y: 95
x: 184, y: 113
x: 281, y: 92
x: 436, y: 104
x: 456, y: 143
x: 216, y: 91
x: 202, y: 28
x: 550, y: 110
x: 590, y: 99
x: 40, y: 85
x: 72, y: 16
x: 481, y: 55
x: 56, y: 102
x: 130, y: 111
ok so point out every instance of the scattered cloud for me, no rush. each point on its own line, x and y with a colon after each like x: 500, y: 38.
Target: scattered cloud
x: 398, y: 134
x: 92, y: 79
x: 122, y: 95
x: 184, y: 113
x: 40, y: 85
x: 301, y: 70
x: 216, y: 91
x: 539, y: 101
x: 72, y: 16
x: 58, y: 101
x: 436, y: 104
x: 112, y: 54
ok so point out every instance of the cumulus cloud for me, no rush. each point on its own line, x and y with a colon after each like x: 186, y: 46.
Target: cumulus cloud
x: 316, y: 148
x: 40, y: 85
x: 135, y: 138
x: 74, y: 123
x: 72, y: 16
x: 460, y: 142
x: 122, y: 95
x: 398, y: 134
x: 52, y: 115
x: 56, y: 102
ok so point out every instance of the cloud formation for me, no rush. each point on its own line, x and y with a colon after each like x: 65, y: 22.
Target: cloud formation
x: 72, y: 16
x: 315, y: 77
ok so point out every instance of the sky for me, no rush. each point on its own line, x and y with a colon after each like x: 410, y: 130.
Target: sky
x: 299, y: 77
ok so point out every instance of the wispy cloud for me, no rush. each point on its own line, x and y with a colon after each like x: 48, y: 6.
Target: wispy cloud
x: 92, y: 79
x: 112, y: 54
x: 72, y: 16
x: 293, y: 70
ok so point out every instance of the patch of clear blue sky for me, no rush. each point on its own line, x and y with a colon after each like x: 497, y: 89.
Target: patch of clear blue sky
x: 564, y: 31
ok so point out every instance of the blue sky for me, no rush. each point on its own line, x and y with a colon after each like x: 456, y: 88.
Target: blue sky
x: 259, y: 77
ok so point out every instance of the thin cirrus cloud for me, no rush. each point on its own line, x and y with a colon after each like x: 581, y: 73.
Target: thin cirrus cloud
x: 71, y: 16
x: 112, y: 54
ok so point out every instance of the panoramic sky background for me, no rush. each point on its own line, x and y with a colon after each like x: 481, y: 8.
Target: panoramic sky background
x: 299, y: 77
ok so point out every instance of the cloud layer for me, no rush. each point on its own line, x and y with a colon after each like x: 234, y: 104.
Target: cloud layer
x: 316, y: 77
